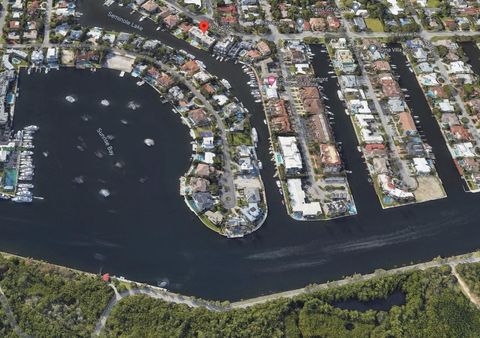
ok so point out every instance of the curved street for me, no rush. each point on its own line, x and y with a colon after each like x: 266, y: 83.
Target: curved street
x: 171, y: 297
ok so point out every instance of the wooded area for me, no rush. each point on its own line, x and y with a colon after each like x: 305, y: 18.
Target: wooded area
x: 434, y: 308
x: 49, y: 301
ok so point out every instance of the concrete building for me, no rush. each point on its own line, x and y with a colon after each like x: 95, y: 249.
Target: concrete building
x: 292, y: 158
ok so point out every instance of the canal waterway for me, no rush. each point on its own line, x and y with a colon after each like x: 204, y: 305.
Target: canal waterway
x: 145, y: 232
x: 473, y: 54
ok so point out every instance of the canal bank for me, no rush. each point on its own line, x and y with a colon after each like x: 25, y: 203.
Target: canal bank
x: 427, y: 125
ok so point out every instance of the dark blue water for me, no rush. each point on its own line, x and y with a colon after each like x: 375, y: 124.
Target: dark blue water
x: 397, y: 298
x: 473, y: 54
x: 145, y: 232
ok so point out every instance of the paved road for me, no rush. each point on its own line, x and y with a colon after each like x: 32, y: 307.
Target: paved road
x: 170, y: 297
x: 395, y: 157
x: 464, y: 287
x: 402, y: 166
x: 3, y: 15
x: 48, y: 17
x: 299, y: 127
x: 228, y: 186
x: 154, y: 293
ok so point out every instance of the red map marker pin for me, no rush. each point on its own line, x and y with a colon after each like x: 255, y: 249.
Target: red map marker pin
x: 271, y: 80
x: 203, y: 25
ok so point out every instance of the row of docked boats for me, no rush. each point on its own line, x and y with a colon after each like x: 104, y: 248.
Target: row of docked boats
x: 253, y: 83
x: 25, y: 166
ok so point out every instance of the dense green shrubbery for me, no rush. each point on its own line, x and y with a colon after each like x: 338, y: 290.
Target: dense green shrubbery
x: 434, y: 308
x: 471, y: 275
x: 5, y: 328
x: 53, y: 302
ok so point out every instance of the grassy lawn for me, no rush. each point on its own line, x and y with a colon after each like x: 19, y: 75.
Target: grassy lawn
x: 433, y: 3
x: 374, y: 24
x: 238, y: 139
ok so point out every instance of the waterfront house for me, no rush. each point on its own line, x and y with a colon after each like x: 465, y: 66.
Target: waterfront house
x: 371, y: 135
x: 428, y: 80
x: 425, y: 67
x: 380, y: 165
x: 465, y: 149
x: 208, y: 89
x: 201, y: 38
x: 87, y: 59
x: 318, y: 128
x: 165, y: 80
x: 151, y: 45
x: 202, y: 201
x: 75, y: 35
x: 150, y: 7
x: 207, y: 140
x: 344, y: 60
x: 37, y: 57
x: 52, y: 57
x: 215, y: 217
x: 381, y: 66
x: 421, y: 165
x: 407, y: 124
x: 62, y: 29
x: 224, y: 45
x: 470, y: 165
x: 437, y: 92
x: 204, y: 170
x: 330, y: 158
x: 198, y: 117
x: 246, y: 165
x: 190, y: 67
x: 252, y: 195
x: 458, y: 67
x: 460, y: 133
x: 252, y: 212
x: 198, y: 184
x: 388, y: 187
x: 359, y: 106
x: 292, y: 158
x: 348, y: 81
x: 420, y: 55
x: 123, y: 38
x: 171, y: 21
x: 396, y: 105
x: 281, y: 124
x: 375, y: 150
x: 449, y: 119
x: 313, y: 106
x: 208, y: 157
x: 445, y: 106
x: 300, y: 206
x: 202, y: 77
x: 390, y: 87
x: 415, y: 148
